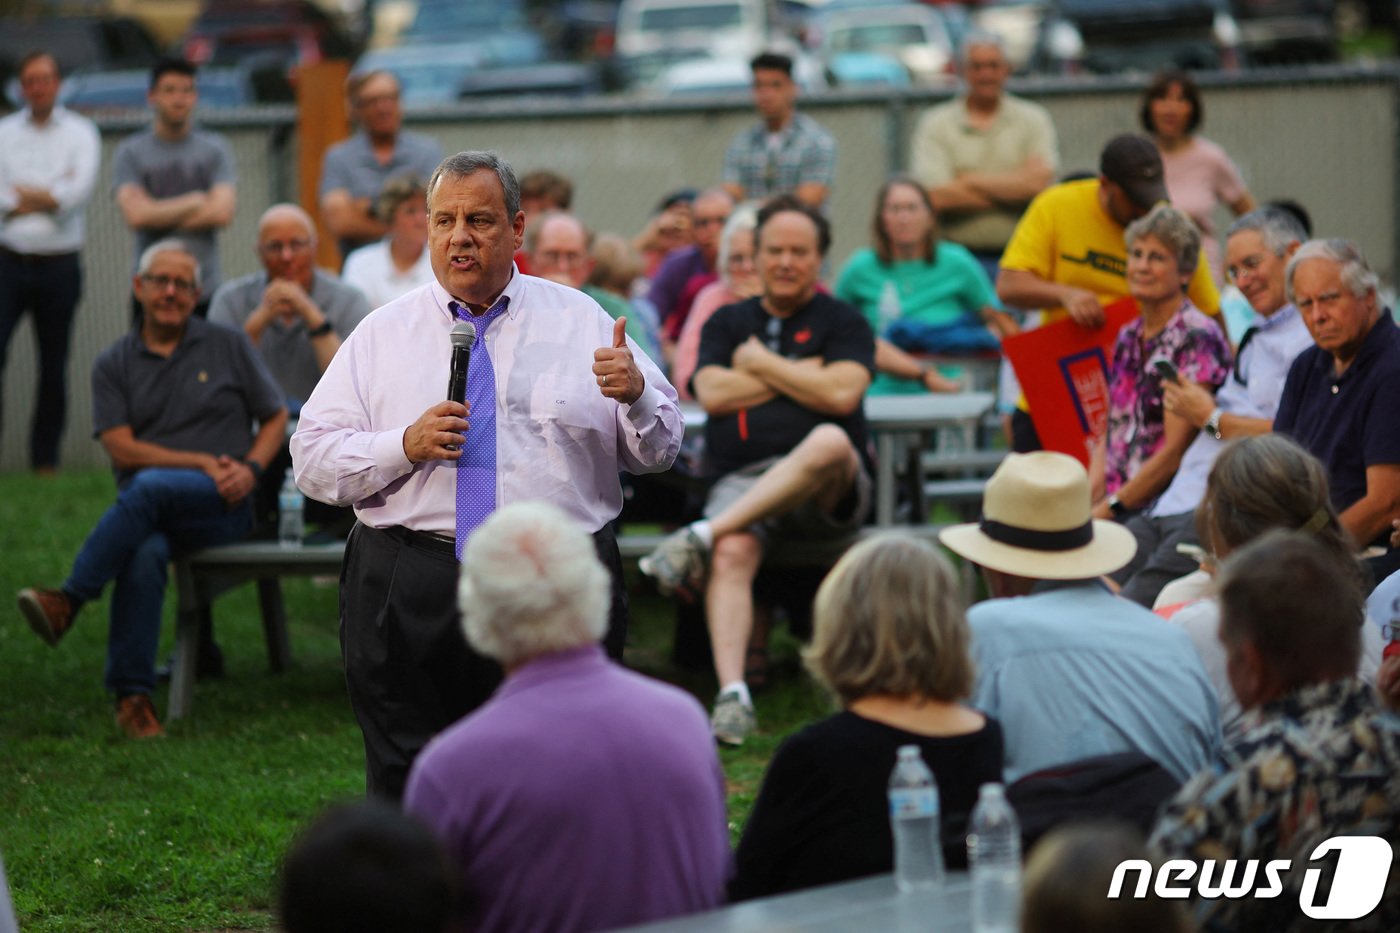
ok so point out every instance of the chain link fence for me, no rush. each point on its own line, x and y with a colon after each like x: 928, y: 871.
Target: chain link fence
x: 1326, y: 137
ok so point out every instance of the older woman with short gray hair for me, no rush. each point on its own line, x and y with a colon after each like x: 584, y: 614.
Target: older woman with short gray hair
x: 582, y: 795
x: 1170, y: 340
x: 532, y: 584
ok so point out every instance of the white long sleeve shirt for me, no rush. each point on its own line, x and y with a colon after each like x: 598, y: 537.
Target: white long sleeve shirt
x: 61, y: 156
x: 557, y: 437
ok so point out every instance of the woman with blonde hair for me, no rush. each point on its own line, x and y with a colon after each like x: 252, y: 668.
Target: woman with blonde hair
x: 890, y: 641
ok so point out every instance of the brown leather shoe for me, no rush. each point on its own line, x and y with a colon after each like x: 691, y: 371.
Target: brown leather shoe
x: 137, y: 717
x: 48, y: 612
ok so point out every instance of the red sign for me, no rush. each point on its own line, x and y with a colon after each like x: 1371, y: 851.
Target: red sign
x: 1063, y: 371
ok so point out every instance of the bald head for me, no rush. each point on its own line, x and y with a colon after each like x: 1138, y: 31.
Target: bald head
x: 287, y: 213
x: 287, y: 243
x: 558, y: 248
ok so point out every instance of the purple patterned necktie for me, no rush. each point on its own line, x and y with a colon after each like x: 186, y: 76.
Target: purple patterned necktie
x: 476, y: 468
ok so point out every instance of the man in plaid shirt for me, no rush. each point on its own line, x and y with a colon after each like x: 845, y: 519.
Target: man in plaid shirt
x: 785, y: 152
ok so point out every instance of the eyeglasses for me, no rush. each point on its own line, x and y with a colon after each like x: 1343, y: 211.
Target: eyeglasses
x: 1248, y: 265
x: 774, y: 332
x: 163, y: 282
x: 277, y: 247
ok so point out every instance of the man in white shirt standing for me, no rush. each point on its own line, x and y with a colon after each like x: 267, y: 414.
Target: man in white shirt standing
x: 547, y: 416
x: 48, y: 165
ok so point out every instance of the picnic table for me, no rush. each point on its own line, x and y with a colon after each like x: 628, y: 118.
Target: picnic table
x: 865, y: 904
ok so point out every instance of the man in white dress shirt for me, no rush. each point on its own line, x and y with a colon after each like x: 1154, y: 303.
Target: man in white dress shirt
x: 553, y: 419
x: 48, y: 165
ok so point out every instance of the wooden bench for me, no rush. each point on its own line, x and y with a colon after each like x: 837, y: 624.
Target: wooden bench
x: 202, y: 575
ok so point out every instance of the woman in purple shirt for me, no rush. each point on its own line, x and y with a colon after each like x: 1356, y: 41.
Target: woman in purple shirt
x: 1169, y: 340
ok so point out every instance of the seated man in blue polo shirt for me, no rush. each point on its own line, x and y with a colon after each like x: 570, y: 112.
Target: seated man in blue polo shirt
x: 1341, y: 400
x: 173, y: 405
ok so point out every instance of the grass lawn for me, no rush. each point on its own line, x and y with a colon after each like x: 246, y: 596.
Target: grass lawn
x: 99, y: 833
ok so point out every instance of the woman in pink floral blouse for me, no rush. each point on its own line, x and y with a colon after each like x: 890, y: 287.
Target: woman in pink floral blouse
x: 1144, y: 443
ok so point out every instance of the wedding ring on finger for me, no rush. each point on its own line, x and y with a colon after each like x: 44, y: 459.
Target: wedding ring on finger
x: 605, y: 380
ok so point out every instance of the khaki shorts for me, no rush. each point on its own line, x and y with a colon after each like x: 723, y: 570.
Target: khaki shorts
x: 804, y: 522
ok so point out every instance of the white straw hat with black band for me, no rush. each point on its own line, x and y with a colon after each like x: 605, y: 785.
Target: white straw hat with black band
x: 1036, y: 523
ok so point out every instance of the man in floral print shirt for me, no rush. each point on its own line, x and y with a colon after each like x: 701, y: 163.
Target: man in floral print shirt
x: 1317, y: 755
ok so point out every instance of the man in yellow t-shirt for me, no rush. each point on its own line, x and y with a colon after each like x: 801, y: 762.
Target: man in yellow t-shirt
x: 1067, y: 255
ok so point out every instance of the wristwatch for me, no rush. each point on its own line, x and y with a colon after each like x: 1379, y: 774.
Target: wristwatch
x: 1115, y: 507
x: 320, y: 331
x: 1213, y: 424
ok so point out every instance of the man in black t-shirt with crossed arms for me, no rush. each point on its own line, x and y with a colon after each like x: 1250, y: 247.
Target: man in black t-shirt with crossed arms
x: 782, y: 377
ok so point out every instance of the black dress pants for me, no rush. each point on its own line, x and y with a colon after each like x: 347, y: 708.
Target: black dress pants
x: 408, y: 668
x: 48, y: 287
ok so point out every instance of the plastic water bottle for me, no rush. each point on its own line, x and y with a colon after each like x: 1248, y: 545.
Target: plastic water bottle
x: 994, y: 857
x: 290, y: 522
x: 889, y: 309
x: 914, y: 822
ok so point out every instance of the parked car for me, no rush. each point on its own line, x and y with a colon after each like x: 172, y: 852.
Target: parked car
x: 866, y: 69
x: 498, y: 31
x: 429, y: 74
x: 912, y: 34
x: 1018, y: 23
x: 97, y: 43
x: 653, y: 34
x: 107, y: 91
x: 275, y: 35
x: 728, y: 76
x: 1277, y: 32
x: 541, y: 79
x: 1109, y: 36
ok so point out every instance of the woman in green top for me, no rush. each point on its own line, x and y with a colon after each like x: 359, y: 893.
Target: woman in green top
x: 919, y: 294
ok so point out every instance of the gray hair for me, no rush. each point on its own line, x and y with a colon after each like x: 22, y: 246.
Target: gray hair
x: 477, y: 160
x: 532, y: 584
x: 397, y: 191
x: 1176, y: 231
x: 974, y: 38
x: 1277, y: 227
x: 744, y: 219
x: 1357, y: 276
x: 168, y: 245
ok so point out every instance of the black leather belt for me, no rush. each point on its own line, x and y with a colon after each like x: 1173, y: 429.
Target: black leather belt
x: 34, y: 259
x: 443, y: 545
x: 420, y: 540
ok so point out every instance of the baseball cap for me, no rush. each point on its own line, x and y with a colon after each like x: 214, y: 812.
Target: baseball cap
x: 1133, y: 164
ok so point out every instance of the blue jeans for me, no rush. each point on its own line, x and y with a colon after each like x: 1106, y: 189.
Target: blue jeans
x: 159, y: 511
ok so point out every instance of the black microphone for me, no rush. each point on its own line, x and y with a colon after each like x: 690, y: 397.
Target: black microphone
x: 463, y: 336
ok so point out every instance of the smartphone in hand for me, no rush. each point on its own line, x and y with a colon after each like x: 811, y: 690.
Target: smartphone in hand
x: 1166, y: 369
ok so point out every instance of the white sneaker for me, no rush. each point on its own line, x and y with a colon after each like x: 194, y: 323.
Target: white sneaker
x: 732, y: 720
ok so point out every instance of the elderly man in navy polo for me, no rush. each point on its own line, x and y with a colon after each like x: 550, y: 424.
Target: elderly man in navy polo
x: 1342, y: 397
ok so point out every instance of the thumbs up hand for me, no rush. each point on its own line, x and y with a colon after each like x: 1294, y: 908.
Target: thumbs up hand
x: 616, y: 372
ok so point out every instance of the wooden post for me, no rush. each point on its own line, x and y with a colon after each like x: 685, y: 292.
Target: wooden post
x: 322, y: 121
